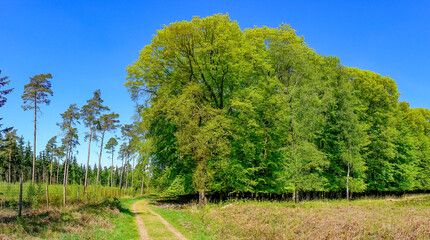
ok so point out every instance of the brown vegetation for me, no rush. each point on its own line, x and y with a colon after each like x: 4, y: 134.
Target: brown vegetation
x: 81, y: 220
x: 405, y: 218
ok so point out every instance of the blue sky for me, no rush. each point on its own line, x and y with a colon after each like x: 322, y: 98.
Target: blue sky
x: 86, y: 45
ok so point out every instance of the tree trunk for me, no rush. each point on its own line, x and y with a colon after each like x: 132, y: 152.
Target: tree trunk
x: 132, y: 174
x: 65, y: 166
x: 141, y: 188
x: 111, y: 172
x: 126, y: 174
x: 68, y: 165
x: 50, y: 171
x: 122, y: 174
x: 100, y: 156
x: 34, y: 143
x: 296, y: 196
x: 202, y: 197
x: 58, y: 169
x: 10, y: 167
x: 88, y: 160
x: 347, y: 183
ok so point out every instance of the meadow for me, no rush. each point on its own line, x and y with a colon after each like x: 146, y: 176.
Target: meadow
x: 407, y: 217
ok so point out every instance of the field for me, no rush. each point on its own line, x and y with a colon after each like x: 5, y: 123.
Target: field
x: 391, y: 218
x: 109, y: 219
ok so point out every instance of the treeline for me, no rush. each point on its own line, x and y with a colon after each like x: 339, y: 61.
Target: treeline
x: 20, y: 165
x: 257, y: 110
x: 57, y: 163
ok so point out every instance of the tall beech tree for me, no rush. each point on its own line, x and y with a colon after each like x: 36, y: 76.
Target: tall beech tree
x: 70, y: 135
x: 90, y: 113
x: 35, y: 93
x: 106, y: 122
x: 3, y: 82
x: 110, y: 146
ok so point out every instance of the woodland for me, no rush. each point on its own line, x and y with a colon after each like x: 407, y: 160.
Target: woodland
x: 226, y: 110
x: 257, y: 110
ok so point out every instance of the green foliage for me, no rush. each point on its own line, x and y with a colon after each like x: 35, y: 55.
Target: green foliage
x: 258, y: 110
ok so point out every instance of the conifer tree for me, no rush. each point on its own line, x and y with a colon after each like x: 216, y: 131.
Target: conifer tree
x: 35, y: 93
x: 70, y: 140
x: 3, y: 82
x: 90, y: 112
x: 110, y: 146
x: 106, y: 122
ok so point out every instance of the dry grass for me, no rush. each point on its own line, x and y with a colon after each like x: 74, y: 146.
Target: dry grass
x: 53, y: 223
x: 406, y: 218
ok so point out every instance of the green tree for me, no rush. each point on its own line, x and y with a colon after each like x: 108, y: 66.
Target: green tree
x: 90, y: 113
x: 106, y: 122
x: 378, y: 96
x: 3, y: 82
x: 35, y: 93
x: 110, y: 146
x: 70, y: 117
x: 200, y: 62
x: 123, y: 153
x: 10, y: 143
x: 50, y: 150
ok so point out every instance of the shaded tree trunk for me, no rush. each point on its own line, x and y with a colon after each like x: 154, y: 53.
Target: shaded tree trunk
x: 58, y: 169
x: 122, y: 173
x: 132, y: 174
x: 202, y: 197
x: 141, y: 188
x: 50, y: 171
x: 347, y: 183
x: 10, y: 167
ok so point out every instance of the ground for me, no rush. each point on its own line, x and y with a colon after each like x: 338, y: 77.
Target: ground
x: 390, y: 218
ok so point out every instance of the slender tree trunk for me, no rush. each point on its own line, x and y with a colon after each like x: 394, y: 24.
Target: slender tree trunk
x: 121, y: 174
x: 58, y: 169
x: 65, y: 165
x: 68, y: 165
x: 141, y: 188
x: 50, y: 171
x: 296, y: 196
x: 10, y: 167
x: 347, y: 183
x: 111, y: 173
x: 202, y: 197
x: 100, y: 156
x: 132, y: 174
x: 126, y: 174
x: 34, y: 143
x: 88, y: 160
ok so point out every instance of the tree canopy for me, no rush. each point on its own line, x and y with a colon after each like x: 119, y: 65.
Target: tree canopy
x: 258, y: 110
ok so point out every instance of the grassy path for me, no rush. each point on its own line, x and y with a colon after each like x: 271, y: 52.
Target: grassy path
x: 140, y: 225
x: 153, y: 226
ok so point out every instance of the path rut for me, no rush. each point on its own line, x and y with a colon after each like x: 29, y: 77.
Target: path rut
x: 140, y: 225
x: 142, y: 229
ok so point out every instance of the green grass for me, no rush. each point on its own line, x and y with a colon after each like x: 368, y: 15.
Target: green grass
x: 189, y: 225
x: 34, y: 195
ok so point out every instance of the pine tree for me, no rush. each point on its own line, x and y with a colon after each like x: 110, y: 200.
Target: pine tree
x: 35, y: 93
